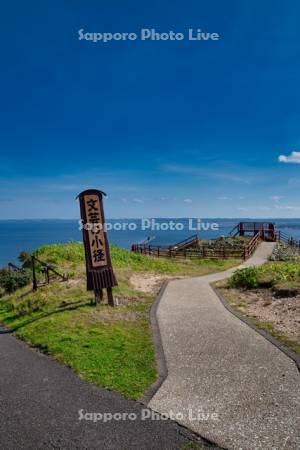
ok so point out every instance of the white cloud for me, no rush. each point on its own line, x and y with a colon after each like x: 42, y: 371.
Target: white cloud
x: 293, y: 158
x: 224, y: 198
x: 188, y: 200
x: 275, y: 198
x: 138, y: 200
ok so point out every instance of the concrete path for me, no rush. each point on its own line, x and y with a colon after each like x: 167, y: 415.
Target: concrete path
x: 243, y: 389
x: 40, y: 402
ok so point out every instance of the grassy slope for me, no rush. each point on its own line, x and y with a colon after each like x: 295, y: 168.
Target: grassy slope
x: 111, y: 347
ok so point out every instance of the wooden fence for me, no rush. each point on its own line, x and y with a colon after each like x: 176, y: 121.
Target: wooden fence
x: 47, y: 269
x: 204, y: 251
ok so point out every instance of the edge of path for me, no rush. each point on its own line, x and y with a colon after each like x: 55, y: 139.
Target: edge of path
x: 286, y: 350
x: 161, y: 363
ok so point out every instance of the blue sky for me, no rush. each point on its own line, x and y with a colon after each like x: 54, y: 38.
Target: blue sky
x: 174, y: 128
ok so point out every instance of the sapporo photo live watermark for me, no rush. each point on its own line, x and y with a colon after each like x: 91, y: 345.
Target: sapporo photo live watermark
x: 149, y: 34
x: 190, y: 224
x: 147, y: 414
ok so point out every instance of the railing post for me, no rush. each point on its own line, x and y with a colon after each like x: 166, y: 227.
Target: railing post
x: 34, y: 282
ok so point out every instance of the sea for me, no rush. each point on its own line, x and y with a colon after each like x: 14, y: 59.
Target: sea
x: 27, y: 235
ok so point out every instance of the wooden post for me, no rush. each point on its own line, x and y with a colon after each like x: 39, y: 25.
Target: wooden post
x: 241, y: 229
x: 98, y: 296
x: 110, y: 297
x: 34, y: 282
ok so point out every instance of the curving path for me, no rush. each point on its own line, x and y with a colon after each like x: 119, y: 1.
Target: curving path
x: 225, y: 381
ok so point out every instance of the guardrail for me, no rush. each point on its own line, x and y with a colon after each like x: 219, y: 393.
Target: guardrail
x: 283, y: 237
x: 203, y: 252
x: 252, y: 245
x: 186, y: 242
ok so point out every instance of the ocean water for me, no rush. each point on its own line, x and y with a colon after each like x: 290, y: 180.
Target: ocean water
x: 27, y: 235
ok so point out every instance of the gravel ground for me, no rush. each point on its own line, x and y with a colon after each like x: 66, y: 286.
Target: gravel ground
x: 283, y: 313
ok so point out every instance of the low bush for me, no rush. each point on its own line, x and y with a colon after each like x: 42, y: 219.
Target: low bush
x: 11, y: 280
x: 244, y: 278
x: 265, y: 276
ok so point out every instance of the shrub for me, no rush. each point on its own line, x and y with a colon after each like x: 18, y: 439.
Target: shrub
x: 11, y: 280
x: 244, y: 278
x: 265, y: 276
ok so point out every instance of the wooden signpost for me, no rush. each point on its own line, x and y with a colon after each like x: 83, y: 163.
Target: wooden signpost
x: 99, y: 269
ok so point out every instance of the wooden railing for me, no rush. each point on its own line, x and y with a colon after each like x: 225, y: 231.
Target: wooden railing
x: 288, y: 240
x: 203, y: 252
x: 267, y: 230
x: 47, y: 269
x: 190, y: 241
x: 252, y: 245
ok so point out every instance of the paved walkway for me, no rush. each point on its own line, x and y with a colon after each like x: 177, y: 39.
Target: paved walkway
x: 40, y: 402
x: 219, y: 365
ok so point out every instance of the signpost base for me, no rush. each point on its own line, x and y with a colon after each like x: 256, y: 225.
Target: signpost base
x: 98, y: 296
x: 110, y: 297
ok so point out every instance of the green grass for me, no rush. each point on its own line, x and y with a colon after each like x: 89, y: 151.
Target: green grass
x: 111, y: 347
x: 71, y: 256
x: 107, y: 349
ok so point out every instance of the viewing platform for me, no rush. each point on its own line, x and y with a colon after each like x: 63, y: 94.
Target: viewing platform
x: 267, y: 230
x: 241, y: 243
